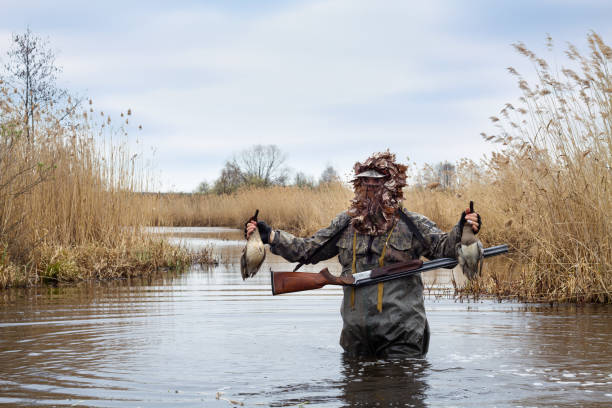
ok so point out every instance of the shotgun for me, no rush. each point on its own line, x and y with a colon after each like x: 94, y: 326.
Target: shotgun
x: 287, y: 282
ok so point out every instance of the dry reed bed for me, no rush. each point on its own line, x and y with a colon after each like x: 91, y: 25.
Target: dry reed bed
x: 552, y: 183
x: 299, y: 210
x: 548, y: 192
x: 67, y: 207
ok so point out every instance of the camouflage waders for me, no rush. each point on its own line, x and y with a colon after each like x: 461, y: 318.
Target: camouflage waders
x: 382, y: 320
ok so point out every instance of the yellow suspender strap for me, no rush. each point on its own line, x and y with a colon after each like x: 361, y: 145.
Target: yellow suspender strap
x: 381, y: 286
x: 354, y: 268
x: 381, y: 262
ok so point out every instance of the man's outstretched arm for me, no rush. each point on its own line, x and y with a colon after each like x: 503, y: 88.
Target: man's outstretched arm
x: 296, y: 249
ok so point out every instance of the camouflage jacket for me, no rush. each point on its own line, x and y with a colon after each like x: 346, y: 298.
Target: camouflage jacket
x: 401, y: 245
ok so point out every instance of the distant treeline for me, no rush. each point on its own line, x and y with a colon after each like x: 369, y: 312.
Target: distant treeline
x: 262, y: 166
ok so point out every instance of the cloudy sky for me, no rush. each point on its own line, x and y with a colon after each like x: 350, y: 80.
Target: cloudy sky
x: 328, y: 81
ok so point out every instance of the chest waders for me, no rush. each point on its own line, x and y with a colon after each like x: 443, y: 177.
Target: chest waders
x: 381, y: 262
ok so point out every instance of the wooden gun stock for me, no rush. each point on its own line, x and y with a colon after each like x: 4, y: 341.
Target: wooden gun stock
x: 287, y: 282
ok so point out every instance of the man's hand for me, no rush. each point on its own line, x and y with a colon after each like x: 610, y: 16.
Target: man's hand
x: 264, y: 230
x: 250, y: 227
x: 474, y: 220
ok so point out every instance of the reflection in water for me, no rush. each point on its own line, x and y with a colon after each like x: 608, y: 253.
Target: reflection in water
x: 392, y: 383
x: 179, y: 339
x: 360, y: 383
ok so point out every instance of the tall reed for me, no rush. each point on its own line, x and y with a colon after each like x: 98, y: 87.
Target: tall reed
x: 67, y: 208
x: 552, y: 184
x: 548, y: 192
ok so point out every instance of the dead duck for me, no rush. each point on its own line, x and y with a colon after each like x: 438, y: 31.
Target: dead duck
x: 253, y: 254
x: 470, y: 252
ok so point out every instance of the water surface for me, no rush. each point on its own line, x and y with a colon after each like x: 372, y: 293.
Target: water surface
x: 205, y: 338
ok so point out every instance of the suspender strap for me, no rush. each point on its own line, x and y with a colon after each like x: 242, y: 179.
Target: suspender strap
x: 413, y: 228
x: 320, y: 248
x: 381, y: 262
x: 354, y: 268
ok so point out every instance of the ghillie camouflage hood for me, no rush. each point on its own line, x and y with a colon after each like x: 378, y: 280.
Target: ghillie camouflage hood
x: 373, y: 212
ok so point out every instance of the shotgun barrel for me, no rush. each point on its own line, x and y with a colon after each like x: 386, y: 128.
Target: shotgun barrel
x: 288, y: 282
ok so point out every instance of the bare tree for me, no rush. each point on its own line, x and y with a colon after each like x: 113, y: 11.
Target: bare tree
x: 262, y: 165
x: 230, y: 179
x: 282, y: 178
x: 303, y: 180
x: 32, y: 74
x: 442, y: 175
x: 329, y: 175
x: 469, y: 172
x: 446, y: 174
x: 258, y: 166
x: 203, y: 188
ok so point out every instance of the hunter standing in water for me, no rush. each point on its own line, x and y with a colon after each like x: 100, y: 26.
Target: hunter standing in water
x: 387, y: 319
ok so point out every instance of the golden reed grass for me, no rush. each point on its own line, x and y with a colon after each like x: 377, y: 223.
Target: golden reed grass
x: 551, y: 185
x: 547, y: 192
x: 299, y: 210
x: 67, y: 207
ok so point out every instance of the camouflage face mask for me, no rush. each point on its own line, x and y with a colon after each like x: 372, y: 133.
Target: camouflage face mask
x: 377, y: 200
